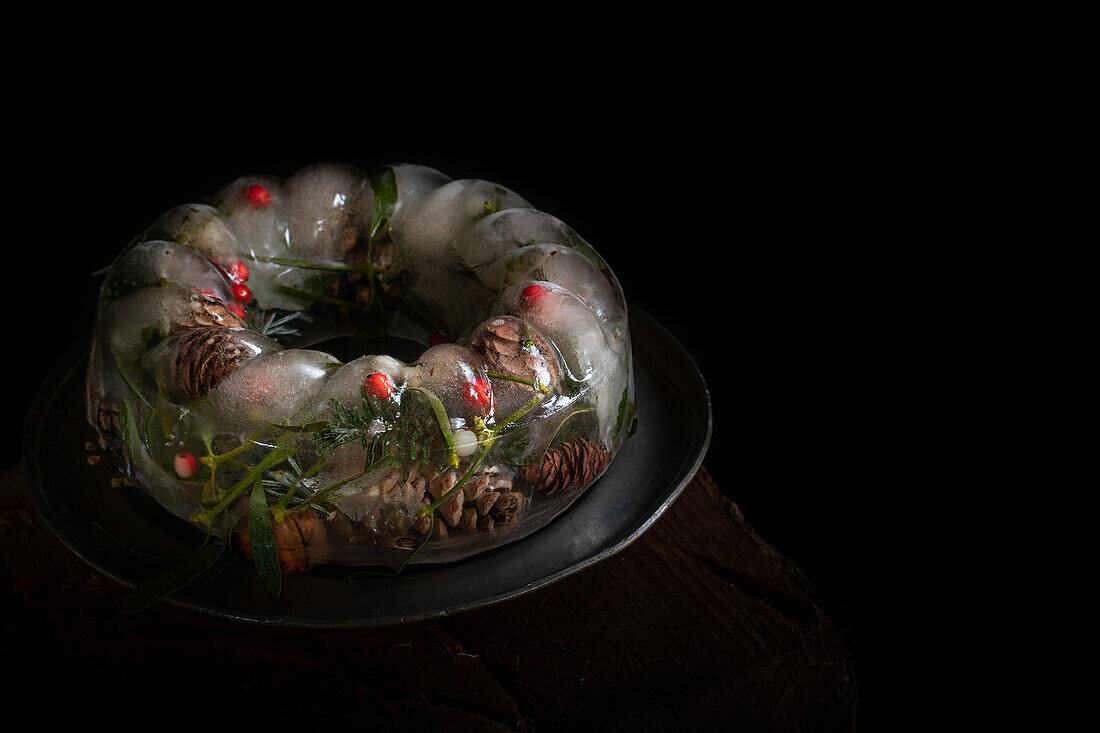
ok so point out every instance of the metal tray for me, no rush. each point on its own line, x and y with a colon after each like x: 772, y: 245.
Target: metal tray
x: 125, y: 536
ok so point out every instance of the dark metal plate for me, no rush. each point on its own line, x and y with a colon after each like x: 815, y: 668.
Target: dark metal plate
x: 105, y: 526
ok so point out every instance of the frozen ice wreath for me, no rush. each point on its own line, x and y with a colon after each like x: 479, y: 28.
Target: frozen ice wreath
x: 514, y: 395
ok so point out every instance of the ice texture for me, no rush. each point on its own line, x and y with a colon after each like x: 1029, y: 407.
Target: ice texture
x: 265, y: 245
x: 594, y: 352
x: 429, y: 235
x: 497, y: 234
x: 162, y: 264
x: 327, y: 205
x: 558, y: 264
x: 413, y: 183
x: 198, y: 226
x: 456, y: 374
x: 274, y: 390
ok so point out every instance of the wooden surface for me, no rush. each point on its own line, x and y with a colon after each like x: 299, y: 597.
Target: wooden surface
x: 698, y: 625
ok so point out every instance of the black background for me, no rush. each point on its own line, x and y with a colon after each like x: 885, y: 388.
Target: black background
x: 746, y: 236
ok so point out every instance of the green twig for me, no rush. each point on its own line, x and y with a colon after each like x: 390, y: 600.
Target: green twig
x: 276, y: 456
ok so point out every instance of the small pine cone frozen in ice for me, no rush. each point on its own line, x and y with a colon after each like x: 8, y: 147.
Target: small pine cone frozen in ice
x: 203, y: 357
x: 511, y: 346
x: 568, y: 467
x: 206, y: 309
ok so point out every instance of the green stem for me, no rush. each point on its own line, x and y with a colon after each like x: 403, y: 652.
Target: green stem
x: 444, y: 425
x: 216, y: 459
x: 488, y: 443
x: 537, y: 386
x: 306, y: 265
x: 428, y: 510
x: 531, y: 404
x: 276, y: 456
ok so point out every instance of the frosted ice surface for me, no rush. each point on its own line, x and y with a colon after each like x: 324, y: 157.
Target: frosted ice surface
x: 162, y: 264
x: 200, y: 227
x: 345, y: 383
x: 453, y: 373
x: 427, y: 237
x: 274, y: 389
x: 558, y: 264
x: 442, y: 215
x: 493, y: 235
x: 413, y: 183
x: 532, y: 365
x: 565, y: 319
x: 261, y: 230
x: 324, y: 205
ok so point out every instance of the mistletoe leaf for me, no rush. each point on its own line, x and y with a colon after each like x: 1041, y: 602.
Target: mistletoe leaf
x: 262, y: 538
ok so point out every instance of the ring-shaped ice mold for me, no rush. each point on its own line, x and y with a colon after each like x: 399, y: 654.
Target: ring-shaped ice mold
x: 204, y: 385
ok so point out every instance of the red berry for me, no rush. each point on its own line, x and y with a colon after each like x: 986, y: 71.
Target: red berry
x: 531, y: 295
x: 436, y: 338
x: 257, y: 196
x: 379, y: 385
x: 236, y: 271
x: 478, y: 395
x: 185, y: 464
x: 236, y: 308
x: 242, y: 293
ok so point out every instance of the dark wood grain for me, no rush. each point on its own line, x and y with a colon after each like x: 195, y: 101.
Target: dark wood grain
x: 698, y: 625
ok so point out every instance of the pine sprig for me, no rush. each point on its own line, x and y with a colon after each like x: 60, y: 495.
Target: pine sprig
x: 273, y: 323
x: 402, y: 431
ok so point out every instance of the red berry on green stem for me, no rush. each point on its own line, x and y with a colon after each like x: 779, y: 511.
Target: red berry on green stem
x: 257, y: 196
x: 379, y: 385
x: 186, y: 465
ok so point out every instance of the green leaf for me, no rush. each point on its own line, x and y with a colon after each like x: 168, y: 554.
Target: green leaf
x: 262, y: 538
x: 622, y: 413
x: 383, y: 182
x: 626, y: 407
x: 176, y: 577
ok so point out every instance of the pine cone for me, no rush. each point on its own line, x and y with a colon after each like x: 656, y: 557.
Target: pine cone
x: 204, y: 357
x: 568, y: 467
x: 206, y: 310
x: 510, y: 346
